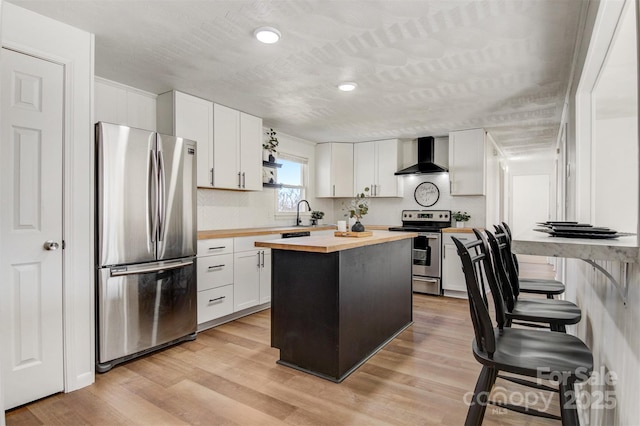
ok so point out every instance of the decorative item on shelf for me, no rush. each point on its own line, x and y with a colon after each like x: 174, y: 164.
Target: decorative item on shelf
x: 268, y: 175
x: 316, y: 216
x: 358, y: 207
x: 270, y: 146
x: 460, y: 218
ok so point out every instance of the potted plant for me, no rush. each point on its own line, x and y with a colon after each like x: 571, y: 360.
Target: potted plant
x: 316, y: 216
x: 270, y: 146
x: 358, y: 207
x: 460, y: 218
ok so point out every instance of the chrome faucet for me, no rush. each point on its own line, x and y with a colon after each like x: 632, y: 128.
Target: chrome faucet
x: 298, y: 220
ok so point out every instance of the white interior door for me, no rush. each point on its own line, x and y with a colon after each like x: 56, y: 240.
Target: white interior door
x: 530, y: 204
x: 30, y: 228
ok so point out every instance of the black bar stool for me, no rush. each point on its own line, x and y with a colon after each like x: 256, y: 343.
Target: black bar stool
x: 531, y: 353
x: 549, y: 288
x: 530, y: 312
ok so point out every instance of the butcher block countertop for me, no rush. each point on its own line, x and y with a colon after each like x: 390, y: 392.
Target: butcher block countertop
x: 330, y: 244
x: 458, y: 230
x: 248, y: 232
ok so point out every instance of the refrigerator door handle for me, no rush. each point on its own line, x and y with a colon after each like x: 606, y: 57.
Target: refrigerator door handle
x: 152, y: 196
x: 161, y: 195
x: 120, y: 271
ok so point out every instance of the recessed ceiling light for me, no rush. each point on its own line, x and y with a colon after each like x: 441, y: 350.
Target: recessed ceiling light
x: 268, y: 35
x: 347, y: 86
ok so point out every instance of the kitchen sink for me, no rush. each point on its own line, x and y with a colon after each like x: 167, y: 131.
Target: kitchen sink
x: 296, y: 234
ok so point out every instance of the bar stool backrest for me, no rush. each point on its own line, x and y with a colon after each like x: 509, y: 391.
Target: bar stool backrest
x: 476, y: 265
x: 499, y: 250
x: 509, y: 259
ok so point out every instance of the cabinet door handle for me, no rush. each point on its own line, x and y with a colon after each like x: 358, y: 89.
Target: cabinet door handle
x: 263, y: 258
x: 217, y: 266
x: 244, y: 181
x: 239, y: 181
x: 216, y: 299
x: 334, y: 190
x: 258, y: 253
x: 212, y: 177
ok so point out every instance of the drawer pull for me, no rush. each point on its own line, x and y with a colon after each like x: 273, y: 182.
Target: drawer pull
x: 217, y: 248
x: 217, y: 266
x: 216, y: 299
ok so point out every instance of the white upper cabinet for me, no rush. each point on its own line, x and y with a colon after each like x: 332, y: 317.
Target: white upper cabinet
x: 237, y: 149
x: 334, y: 170
x: 375, y: 164
x: 229, y: 141
x: 251, y: 151
x: 467, y: 162
x: 189, y: 117
x: 120, y: 104
x: 226, y: 135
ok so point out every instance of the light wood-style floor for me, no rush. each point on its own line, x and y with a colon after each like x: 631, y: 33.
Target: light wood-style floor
x: 229, y: 376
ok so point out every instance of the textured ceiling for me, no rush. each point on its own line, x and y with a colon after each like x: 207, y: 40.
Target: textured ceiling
x: 423, y: 67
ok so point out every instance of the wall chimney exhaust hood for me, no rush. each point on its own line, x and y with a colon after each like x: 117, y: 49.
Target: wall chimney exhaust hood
x: 432, y: 158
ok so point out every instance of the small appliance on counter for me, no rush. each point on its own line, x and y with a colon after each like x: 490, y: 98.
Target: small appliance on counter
x: 427, y: 247
x: 145, y: 244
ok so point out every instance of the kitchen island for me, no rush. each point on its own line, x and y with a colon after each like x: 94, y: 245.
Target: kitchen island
x: 336, y: 301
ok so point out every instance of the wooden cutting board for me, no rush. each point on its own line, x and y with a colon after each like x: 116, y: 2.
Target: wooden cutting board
x: 353, y: 234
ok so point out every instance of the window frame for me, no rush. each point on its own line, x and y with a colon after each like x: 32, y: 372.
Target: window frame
x: 304, y: 162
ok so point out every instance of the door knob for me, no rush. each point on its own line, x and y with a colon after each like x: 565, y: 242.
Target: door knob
x: 51, y: 245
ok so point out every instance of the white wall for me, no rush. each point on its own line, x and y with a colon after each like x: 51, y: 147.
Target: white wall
x: 42, y: 37
x: 495, y: 185
x: 2, y: 419
x: 615, y: 187
x: 608, y: 326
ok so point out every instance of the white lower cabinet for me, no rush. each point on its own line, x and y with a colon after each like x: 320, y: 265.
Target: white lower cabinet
x: 453, y: 282
x: 215, y: 271
x: 215, y: 303
x: 252, y: 272
x: 252, y: 278
x: 233, y: 275
x: 215, y: 278
x: 265, y: 277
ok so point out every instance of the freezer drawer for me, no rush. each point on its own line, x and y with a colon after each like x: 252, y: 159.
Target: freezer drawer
x: 143, y: 306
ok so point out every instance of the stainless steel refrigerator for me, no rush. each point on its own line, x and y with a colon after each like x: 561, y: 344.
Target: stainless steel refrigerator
x: 146, y: 242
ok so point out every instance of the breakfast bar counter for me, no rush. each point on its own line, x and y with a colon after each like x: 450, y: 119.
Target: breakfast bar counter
x: 336, y: 301
x: 622, y: 249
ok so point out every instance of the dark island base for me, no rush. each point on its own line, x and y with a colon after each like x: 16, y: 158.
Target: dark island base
x: 330, y: 312
x: 354, y: 368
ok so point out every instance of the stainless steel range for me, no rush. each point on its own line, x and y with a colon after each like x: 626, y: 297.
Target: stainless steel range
x: 427, y: 247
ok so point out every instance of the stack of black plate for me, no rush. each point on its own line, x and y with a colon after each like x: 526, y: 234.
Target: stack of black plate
x: 578, y: 230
